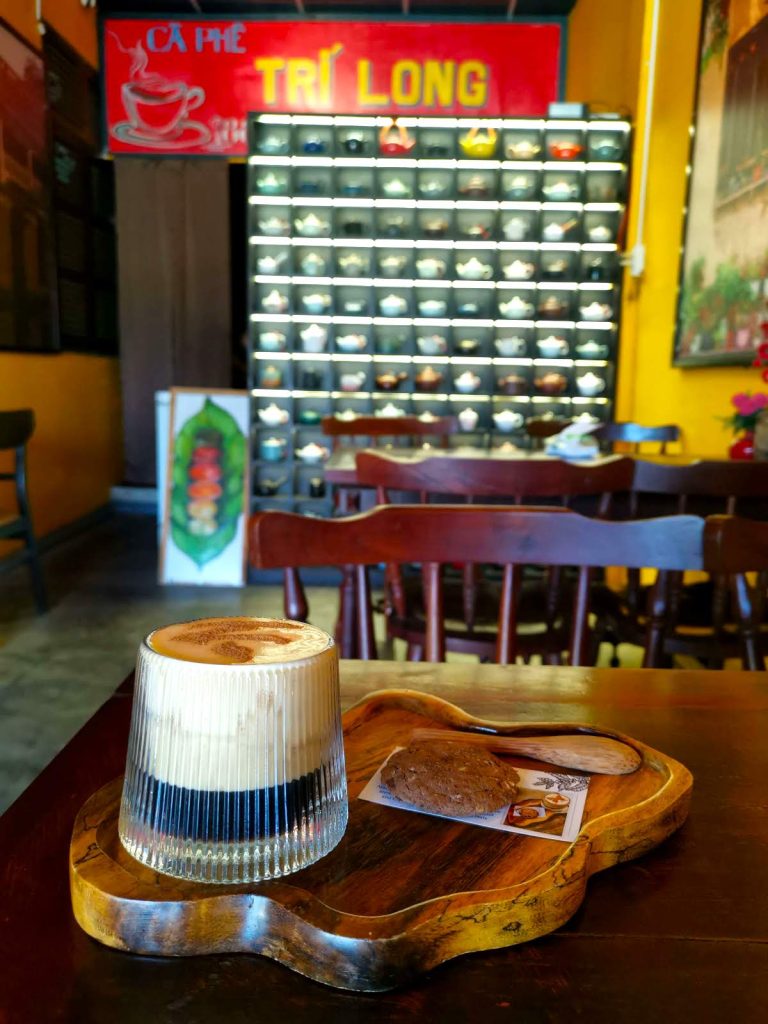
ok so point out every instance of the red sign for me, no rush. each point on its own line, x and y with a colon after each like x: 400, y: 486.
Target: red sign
x: 186, y: 86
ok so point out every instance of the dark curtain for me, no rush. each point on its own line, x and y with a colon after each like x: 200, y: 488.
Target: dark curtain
x: 173, y: 287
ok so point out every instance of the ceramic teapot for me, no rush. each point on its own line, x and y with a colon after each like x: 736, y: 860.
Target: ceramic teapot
x: 273, y: 225
x: 516, y: 308
x: 475, y: 187
x: 267, y: 486
x: 347, y: 416
x: 513, y: 384
x: 508, y: 348
x: 433, y: 188
x: 390, y: 411
x: 354, y: 143
x: 589, y: 384
x: 555, y: 268
x: 479, y: 143
x: 270, y: 264
x: 591, y: 349
x: 313, y: 144
x: 596, y: 311
x: 554, y: 307
x: 431, y: 345
x: 317, y: 302
x: 435, y: 227
x: 552, y: 347
x: 467, y: 382
x: 432, y: 307
x: 273, y: 415
x: 519, y: 270
x: 551, y: 383
x: 392, y: 264
x: 352, y: 381
x: 393, y: 305
x: 521, y: 186
x: 600, y: 233
x: 270, y: 184
x: 394, y: 139
x: 468, y: 419
x: 516, y: 229
x: 313, y: 338
x: 311, y: 226
x: 467, y: 346
x: 389, y: 344
x: 271, y: 377
x: 474, y: 269
x: 560, y: 191
x: 428, y: 379
x: 389, y: 381
x: 351, y: 342
x: 605, y: 148
x: 556, y: 231
x: 395, y: 188
x: 272, y: 341
x: 312, y: 452
x: 507, y: 420
x: 522, y: 149
x: 272, y: 449
x: 309, y: 416
x: 393, y: 225
x: 564, y: 149
x: 352, y: 264
x: 312, y: 263
x: 274, y: 302
x: 430, y: 267
x: 273, y: 145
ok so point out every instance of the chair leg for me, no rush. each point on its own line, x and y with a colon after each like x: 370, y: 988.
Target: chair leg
x: 36, y: 572
x: 748, y: 624
x: 346, y: 623
x: 657, y: 610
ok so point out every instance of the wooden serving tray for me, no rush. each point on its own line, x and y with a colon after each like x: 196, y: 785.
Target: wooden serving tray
x: 402, y: 892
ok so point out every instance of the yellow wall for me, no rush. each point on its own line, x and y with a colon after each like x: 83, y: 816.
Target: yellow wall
x: 651, y: 390
x: 75, y: 455
x: 603, y: 63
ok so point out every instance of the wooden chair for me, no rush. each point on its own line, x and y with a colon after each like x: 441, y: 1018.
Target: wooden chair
x: 699, y: 612
x: 635, y: 434
x: 508, y: 480
x: 377, y: 427
x: 540, y: 428
x: 434, y: 535
x: 16, y: 428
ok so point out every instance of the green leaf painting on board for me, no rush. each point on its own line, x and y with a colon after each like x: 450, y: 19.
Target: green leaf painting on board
x: 207, y: 483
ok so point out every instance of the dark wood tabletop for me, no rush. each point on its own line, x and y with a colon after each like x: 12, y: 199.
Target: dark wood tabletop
x: 679, y: 935
x: 339, y: 468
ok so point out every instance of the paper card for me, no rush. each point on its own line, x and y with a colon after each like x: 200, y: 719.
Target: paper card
x: 549, y: 805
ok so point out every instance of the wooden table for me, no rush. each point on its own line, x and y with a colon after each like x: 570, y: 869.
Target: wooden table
x: 679, y: 935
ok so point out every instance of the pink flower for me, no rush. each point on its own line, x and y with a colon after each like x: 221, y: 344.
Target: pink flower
x: 741, y: 403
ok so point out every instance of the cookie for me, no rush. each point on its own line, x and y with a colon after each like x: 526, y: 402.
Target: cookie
x: 450, y: 778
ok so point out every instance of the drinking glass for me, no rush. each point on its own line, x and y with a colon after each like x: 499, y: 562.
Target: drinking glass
x: 235, y: 772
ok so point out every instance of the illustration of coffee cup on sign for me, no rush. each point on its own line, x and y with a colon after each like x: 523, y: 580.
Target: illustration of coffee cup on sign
x: 157, y: 109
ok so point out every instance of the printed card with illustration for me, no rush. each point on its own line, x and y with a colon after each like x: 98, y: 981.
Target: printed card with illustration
x: 548, y: 805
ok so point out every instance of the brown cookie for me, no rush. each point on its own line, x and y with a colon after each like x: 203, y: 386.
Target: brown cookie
x: 450, y: 778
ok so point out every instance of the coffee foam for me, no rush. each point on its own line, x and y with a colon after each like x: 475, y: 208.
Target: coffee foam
x: 239, y: 641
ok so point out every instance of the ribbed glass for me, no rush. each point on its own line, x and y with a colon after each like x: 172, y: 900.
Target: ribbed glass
x: 235, y: 773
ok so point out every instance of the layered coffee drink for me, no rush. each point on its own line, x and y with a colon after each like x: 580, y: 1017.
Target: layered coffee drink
x: 235, y: 768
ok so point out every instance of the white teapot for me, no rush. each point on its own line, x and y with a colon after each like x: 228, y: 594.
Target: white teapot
x: 312, y: 263
x: 273, y: 225
x: 507, y: 420
x: 274, y: 302
x: 317, y: 302
x: 468, y: 419
x: 596, y: 311
x: 589, y: 384
x: 552, y: 347
x: 312, y: 452
x: 393, y: 305
x: 430, y: 267
x: 391, y: 265
x: 467, y: 382
x: 519, y: 270
x: 311, y: 225
x: 516, y: 308
x: 474, y: 269
x: 313, y: 338
x: 270, y: 264
x: 351, y: 342
x: 352, y: 381
x: 353, y: 264
x: 390, y: 411
x: 273, y: 415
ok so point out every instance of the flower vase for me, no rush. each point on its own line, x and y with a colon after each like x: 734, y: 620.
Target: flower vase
x: 743, y: 448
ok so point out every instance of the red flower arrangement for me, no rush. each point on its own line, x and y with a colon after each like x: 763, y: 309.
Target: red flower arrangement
x: 748, y: 406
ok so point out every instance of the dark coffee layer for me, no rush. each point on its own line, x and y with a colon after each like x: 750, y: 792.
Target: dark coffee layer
x: 237, y: 817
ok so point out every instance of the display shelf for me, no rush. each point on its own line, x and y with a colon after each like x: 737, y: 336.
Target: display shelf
x: 429, y: 269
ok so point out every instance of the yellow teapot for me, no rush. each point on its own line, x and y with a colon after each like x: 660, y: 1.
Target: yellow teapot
x: 479, y: 144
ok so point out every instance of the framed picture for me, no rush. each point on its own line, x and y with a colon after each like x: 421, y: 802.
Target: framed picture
x: 204, y: 536
x: 724, y: 275
x: 26, y: 252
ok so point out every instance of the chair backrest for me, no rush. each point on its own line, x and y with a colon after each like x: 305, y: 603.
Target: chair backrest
x: 389, y: 426
x: 636, y: 434
x: 436, y: 534
x: 511, y: 478
x: 729, y: 480
x: 16, y: 428
x: 540, y: 428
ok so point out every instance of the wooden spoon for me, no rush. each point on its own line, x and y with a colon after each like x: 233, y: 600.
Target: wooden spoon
x: 598, y: 754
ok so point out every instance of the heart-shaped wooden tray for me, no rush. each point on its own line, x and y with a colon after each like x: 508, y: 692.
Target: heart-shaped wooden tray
x: 402, y: 892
